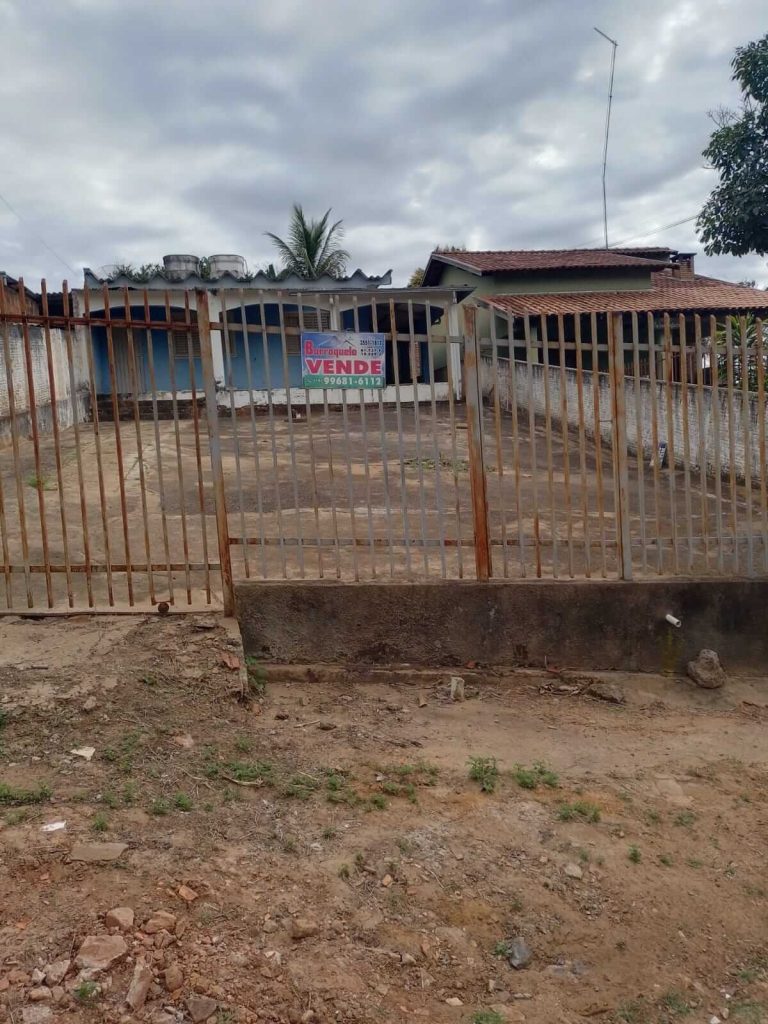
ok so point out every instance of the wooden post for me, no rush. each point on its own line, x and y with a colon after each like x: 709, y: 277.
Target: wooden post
x: 214, y: 439
x: 477, y: 477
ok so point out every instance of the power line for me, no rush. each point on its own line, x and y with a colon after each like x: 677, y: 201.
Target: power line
x: 38, y: 236
x: 646, y: 234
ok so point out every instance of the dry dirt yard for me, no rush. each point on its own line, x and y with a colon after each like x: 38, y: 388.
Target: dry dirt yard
x: 316, y: 849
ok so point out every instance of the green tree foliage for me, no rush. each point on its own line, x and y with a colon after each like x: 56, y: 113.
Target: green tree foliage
x: 312, y: 248
x: 735, y: 217
x: 743, y: 334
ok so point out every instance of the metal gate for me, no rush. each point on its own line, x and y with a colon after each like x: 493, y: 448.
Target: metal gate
x: 156, y: 446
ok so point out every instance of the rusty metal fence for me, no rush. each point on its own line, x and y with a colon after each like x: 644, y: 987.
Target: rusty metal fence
x: 157, y: 446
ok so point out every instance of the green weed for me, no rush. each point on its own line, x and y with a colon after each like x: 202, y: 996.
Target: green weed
x: 159, y: 807
x: 86, y: 991
x: 16, y: 796
x: 634, y: 854
x: 582, y: 810
x: 100, y: 823
x: 485, y: 771
x: 182, y: 802
x: 251, y: 771
x: 487, y: 1017
x: 684, y: 819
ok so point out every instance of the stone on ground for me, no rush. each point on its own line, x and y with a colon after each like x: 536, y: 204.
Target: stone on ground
x: 95, y: 853
x: 139, y: 987
x: 100, y: 952
x: 201, y: 1008
x: 706, y: 670
x: 120, y: 917
x: 161, y: 921
x: 518, y: 952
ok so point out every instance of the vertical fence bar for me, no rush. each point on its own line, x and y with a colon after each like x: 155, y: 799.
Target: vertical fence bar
x: 669, y: 378
x: 651, y: 327
x: 399, y: 417
x: 118, y: 443
x: 139, y: 446
x: 414, y: 366
x: 56, y: 441
x: 729, y: 371
x: 478, y: 482
x: 229, y: 376
x: 311, y: 440
x: 566, y: 446
x: 212, y: 422
x: 177, y: 434
x: 683, y: 338
x: 291, y: 437
x: 616, y: 358
x: 532, y: 439
x: 39, y: 479
x: 89, y: 348
x: 158, y: 446
x: 254, y: 432
x: 499, y: 453
x: 454, y: 450
x: 384, y: 459
x: 702, y: 453
x: 4, y: 548
x: 435, y: 446
x: 516, y: 443
x: 744, y: 360
x: 639, y: 446
x: 198, y: 450
x: 598, y: 436
x: 714, y: 369
x: 15, y: 448
x: 272, y: 435
x: 366, y: 466
x: 761, y: 416
x: 548, y: 445
x: 582, y: 445
x: 350, y: 483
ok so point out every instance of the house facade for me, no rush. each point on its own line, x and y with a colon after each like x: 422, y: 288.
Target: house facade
x: 261, y: 363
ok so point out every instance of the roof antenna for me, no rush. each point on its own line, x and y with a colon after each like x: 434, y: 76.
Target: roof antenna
x: 614, y: 44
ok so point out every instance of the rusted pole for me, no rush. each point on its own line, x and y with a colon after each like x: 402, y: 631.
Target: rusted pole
x: 212, y: 420
x: 623, y: 538
x: 477, y: 477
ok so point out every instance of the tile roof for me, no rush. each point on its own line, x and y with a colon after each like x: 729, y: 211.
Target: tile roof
x: 490, y: 261
x: 668, y: 294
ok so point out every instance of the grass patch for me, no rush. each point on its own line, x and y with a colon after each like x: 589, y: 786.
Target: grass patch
x: 86, y: 992
x: 243, y: 745
x: 631, y: 1012
x: 159, y: 807
x: 694, y: 862
x: 485, y: 771
x: 344, y: 872
x: 532, y: 778
x: 16, y: 796
x: 579, y: 810
x: 182, y: 802
x: 99, y: 823
x: 378, y: 800
x: 675, y: 1004
x: 251, y: 771
x: 300, y: 787
x: 750, y: 1011
x: 487, y: 1017
x: 635, y: 855
x: 665, y: 859
x: 684, y: 819
x: 16, y: 817
x: 257, y: 677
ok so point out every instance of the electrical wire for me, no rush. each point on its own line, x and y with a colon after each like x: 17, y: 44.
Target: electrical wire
x: 36, y: 234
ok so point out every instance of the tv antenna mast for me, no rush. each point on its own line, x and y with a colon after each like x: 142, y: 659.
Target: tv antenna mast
x: 614, y: 44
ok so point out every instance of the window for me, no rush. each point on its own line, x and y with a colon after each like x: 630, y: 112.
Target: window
x: 183, y: 343
x: 314, y: 320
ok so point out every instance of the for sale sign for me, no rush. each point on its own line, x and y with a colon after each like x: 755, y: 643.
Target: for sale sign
x: 346, y: 359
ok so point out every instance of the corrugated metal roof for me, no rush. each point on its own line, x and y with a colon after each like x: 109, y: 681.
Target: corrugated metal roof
x: 668, y: 294
x: 357, y: 281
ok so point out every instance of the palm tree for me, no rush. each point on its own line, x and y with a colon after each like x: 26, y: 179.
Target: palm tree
x: 312, y: 248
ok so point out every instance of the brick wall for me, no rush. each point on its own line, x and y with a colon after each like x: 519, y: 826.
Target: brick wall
x: 68, y: 405
x: 529, y: 381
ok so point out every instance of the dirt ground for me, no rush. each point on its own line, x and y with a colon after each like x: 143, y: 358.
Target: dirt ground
x: 326, y: 856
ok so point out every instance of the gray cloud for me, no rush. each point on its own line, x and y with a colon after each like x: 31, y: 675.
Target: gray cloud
x: 134, y: 129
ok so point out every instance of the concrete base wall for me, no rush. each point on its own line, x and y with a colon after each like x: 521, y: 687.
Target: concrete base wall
x: 591, y: 625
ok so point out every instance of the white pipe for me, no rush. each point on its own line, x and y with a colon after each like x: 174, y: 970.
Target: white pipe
x: 673, y: 621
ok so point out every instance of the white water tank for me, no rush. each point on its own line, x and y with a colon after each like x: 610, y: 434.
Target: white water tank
x: 178, y: 266
x: 227, y: 264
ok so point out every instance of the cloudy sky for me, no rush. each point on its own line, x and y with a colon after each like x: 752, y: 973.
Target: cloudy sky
x: 133, y: 128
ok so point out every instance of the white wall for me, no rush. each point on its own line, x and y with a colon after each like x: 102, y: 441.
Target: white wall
x: 529, y: 383
x: 70, y: 404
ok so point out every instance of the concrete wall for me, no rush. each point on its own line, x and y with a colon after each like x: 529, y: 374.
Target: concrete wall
x: 598, y: 625
x: 529, y: 382
x: 70, y: 404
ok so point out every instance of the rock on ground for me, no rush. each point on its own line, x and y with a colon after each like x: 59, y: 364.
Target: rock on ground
x: 518, y: 952
x: 173, y: 978
x: 609, y: 692
x: 303, y: 928
x: 120, y: 917
x: 139, y: 987
x: 201, y: 1008
x: 94, y: 853
x: 161, y: 921
x: 36, y: 1014
x: 99, y: 952
x: 706, y: 670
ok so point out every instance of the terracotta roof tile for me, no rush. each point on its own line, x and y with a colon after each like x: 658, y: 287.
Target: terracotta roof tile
x: 668, y: 294
x: 490, y: 261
